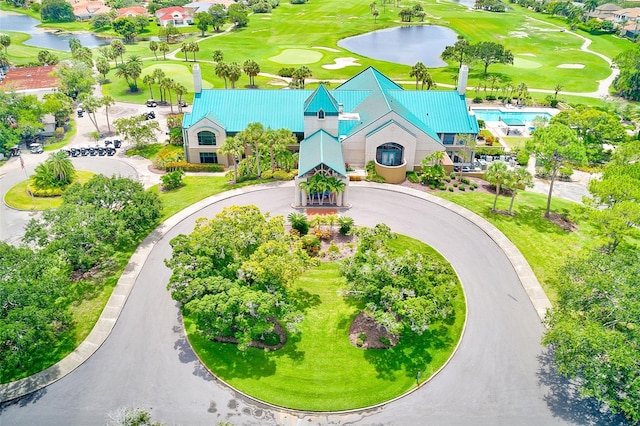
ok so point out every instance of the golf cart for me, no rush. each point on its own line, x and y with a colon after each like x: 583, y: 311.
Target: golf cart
x: 151, y: 103
x: 36, y: 148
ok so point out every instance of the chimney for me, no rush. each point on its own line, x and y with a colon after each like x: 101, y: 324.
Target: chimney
x: 197, y: 79
x: 462, y: 79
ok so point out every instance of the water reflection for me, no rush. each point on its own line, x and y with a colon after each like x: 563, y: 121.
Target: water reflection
x: 43, y: 39
x: 404, y: 45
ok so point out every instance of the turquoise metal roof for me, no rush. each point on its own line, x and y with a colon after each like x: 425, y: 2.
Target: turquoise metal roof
x: 442, y: 111
x: 369, y: 79
x: 321, y: 99
x: 321, y: 148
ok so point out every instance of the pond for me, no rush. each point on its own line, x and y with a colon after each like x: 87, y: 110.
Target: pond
x: 404, y: 45
x: 43, y: 39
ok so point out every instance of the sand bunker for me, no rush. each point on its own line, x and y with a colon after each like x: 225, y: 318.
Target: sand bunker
x: 329, y: 49
x: 572, y: 66
x: 342, y: 63
x: 518, y: 34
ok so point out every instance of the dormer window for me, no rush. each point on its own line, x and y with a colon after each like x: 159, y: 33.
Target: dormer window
x: 321, y: 114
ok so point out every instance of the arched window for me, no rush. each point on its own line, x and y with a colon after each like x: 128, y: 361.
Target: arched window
x: 390, y: 154
x: 321, y: 114
x: 206, y: 138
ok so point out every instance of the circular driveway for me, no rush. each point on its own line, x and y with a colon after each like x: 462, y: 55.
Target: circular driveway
x: 499, y: 375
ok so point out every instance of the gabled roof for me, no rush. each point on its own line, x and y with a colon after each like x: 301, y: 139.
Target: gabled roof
x: 132, y: 11
x: 369, y: 79
x: 321, y: 148
x: 321, y: 99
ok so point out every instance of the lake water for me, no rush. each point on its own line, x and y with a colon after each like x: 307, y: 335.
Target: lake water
x: 46, y: 40
x: 404, y: 45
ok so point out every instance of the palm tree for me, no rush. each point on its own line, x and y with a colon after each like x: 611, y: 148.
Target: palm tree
x: 117, y: 46
x: 234, y: 72
x: 301, y: 74
x: 134, y: 68
x: 375, y: 15
x: 417, y: 71
x: 518, y: 178
x: 556, y: 89
x: 184, y: 49
x: 222, y: 71
x: 5, y: 41
x: 494, y: 80
x: 194, y: 48
x: 158, y: 75
x: 496, y: 174
x: 123, y: 72
x: 428, y: 80
x: 252, y: 69
x: 168, y: 84
x: 180, y: 91
x: 107, y: 102
x: 163, y: 46
x: 62, y: 168
x: 236, y: 148
x: 149, y: 80
x: 218, y: 56
x: 153, y: 46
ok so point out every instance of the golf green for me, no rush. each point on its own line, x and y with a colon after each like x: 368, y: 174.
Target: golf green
x: 525, y: 63
x: 296, y: 57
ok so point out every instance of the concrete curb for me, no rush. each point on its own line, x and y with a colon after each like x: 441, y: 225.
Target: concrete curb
x: 116, y: 302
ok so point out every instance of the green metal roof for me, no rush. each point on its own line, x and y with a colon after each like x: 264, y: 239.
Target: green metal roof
x: 369, y: 79
x: 321, y: 148
x: 321, y: 99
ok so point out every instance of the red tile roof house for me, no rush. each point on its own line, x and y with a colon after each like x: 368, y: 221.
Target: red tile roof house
x: 129, y: 12
x: 84, y: 11
x: 176, y: 15
x: 36, y: 81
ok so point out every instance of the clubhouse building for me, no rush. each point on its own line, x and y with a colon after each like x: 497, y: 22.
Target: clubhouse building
x: 367, y: 118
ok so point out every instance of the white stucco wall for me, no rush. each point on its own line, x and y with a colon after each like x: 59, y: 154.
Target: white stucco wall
x: 194, y: 149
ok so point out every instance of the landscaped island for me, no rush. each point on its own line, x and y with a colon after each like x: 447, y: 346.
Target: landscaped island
x: 280, y: 325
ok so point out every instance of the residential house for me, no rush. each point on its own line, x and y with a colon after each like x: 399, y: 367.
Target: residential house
x: 604, y: 11
x: 30, y: 81
x: 132, y: 11
x: 176, y: 15
x: 367, y: 118
x: 84, y: 11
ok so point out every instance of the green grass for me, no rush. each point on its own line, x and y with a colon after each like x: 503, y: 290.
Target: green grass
x: 148, y: 151
x: 541, y: 242
x: 18, y: 197
x: 514, y: 141
x: 319, y: 369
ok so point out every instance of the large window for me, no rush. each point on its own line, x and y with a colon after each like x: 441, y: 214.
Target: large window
x: 448, y: 139
x: 390, y: 154
x: 208, y: 157
x: 206, y: 138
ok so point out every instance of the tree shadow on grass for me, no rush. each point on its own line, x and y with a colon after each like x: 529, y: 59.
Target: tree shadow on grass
x: 304, y: 300
x: 565, y: 402
x: 413, y: 353
x: 533, y: 218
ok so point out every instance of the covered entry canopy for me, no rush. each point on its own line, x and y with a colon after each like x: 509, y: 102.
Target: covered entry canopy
x: 321, y: 149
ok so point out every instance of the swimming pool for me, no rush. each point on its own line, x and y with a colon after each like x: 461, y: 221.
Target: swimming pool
x: 487, y: 114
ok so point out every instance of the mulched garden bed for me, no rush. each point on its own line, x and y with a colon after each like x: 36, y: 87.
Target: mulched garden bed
x: 364, y: 324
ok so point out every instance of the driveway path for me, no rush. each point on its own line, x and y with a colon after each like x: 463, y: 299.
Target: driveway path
x: 499, y: 375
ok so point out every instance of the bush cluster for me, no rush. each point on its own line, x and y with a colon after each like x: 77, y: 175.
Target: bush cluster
x: 193, y: 167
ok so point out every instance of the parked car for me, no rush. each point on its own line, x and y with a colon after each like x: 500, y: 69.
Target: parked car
x: 465, y: 169
x: 36, y: 148
x: 110, y: 151
x: 117, y: 143
x: 151, y: 103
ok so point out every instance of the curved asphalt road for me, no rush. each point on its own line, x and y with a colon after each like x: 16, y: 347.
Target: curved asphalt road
x: 499, y: 375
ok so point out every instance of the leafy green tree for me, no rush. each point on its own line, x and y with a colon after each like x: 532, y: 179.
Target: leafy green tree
x: 83, y: 54
x: 238, y: 14
x: 33, y: 307
x: 488, y: 53
x: 497, y: 174
x: 459, y: 52
x: 627, y: 83
x: 56, y: 11
x: 102, y: 20
x: 554, y: 146
x: 251, y: 69
x: 126, y: 27
x: 593, y: 328
x: 5, y: 41
x: 75, y: 78
x: 45, y: 57
x: 594, y: 127
x: 58, y: 104
x: 615, y: 202
x: 136, y: 130
x: 168, y: 32
x: 203, y: 20
x: 218, y: 17
x: 402, y: 292
x: 237, y: 287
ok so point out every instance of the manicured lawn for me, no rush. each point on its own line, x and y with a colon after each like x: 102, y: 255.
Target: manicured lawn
x: 148, y: 151
x: 543, y: 244
x: 319, y: 369
x: 514, y: 141
x: 18, y: 197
